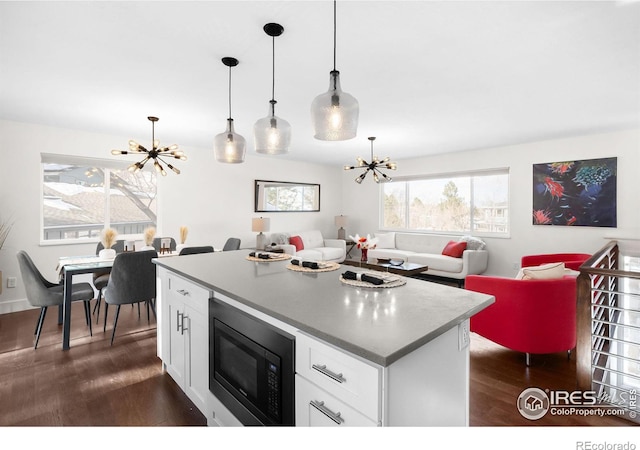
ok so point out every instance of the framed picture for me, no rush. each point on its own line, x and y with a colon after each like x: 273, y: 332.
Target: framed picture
x: 575, y: 193
x: 285, y: 196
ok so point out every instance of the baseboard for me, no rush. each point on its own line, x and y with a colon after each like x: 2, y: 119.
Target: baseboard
x: 14, y: 306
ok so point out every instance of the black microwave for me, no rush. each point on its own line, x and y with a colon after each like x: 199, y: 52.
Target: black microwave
x: 252, y: 368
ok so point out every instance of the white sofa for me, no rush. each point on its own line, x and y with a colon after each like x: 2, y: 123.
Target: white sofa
x: 316, y: 248
x: 427, y: 249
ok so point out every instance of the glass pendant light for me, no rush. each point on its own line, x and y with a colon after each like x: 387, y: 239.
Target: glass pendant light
x: 229, y: 147
x: 334, y: 114
x: 272, y: 134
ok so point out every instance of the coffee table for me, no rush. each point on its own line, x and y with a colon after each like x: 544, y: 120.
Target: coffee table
x: 406, y: 269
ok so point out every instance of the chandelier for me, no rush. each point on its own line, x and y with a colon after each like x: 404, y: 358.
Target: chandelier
x: 156, y: 153
x: 374, y: 166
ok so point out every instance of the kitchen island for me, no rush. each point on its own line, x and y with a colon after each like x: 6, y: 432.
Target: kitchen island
x: 411, y: 341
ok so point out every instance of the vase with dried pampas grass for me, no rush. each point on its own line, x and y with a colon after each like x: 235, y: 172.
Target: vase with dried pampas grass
x: 108, y: 238
x: 183, y: 238
x: 149, y: 235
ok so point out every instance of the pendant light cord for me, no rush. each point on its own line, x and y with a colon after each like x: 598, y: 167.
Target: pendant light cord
x: 229, y: 92
x: 273, y: 68
x: 334, y: 35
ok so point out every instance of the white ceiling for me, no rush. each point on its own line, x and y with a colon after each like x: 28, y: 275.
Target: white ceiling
x: 430, y: 76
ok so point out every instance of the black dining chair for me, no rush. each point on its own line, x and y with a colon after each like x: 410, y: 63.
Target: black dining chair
x: 132, y: 280
x: 42, y: 293
x: 231, y: 244
x: 195, y: 250
x: 101, y: 278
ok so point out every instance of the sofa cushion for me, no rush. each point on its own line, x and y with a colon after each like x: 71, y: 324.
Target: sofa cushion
x: 312, y: 238
x: 279, y: 238
x: 297, y: 242
x: 437, y: 262
x: 313, y: 254
x: 473, y: 243
x: 385, y: 240
x: 330, y: 253
x: 454, y: 249
x: 549, y: 271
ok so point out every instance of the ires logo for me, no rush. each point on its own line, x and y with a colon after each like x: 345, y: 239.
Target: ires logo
x: 574, y: 398
x: 535, y: 403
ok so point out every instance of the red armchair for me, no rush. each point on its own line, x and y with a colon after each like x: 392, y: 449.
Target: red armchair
x: 571, y: 261
x: 529, y: 316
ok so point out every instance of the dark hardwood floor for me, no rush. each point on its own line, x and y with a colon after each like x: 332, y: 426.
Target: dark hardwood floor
x: 94, y: 384
x: 91, y: 384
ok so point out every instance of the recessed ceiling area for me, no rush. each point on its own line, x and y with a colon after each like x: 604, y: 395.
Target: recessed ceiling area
x: 431, y: 76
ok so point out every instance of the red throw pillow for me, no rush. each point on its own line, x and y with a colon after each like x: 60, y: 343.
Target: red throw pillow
x: 454, y: 249
x: 297, y: 241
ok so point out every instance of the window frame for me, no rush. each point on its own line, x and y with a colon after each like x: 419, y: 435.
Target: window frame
x: 106, y: 164
x: 446, y: 176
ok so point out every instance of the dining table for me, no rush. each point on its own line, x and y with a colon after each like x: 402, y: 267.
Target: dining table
x: 68, y: 267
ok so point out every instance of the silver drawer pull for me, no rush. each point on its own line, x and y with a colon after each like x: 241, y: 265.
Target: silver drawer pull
x: 327, y: 412
x: 324, y: 371
x: 179, y: 320
x: 183, y: 327
x: 183, y: 292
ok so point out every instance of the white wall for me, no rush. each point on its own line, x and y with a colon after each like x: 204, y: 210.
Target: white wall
x: 361, y: 201
x: 215, y: 201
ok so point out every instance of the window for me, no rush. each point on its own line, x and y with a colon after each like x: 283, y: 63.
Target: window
x: 82, y: 196
x: 465, y: 203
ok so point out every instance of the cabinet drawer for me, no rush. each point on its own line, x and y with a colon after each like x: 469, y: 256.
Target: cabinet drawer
x: 192, y: 294
x: 315, y: 407
x: 342, y: 375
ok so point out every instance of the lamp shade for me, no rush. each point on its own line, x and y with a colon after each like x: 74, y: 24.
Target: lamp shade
x: 335, y: 113
x: 260, y: 224
x: 229, y: 147
x: 341, y: 221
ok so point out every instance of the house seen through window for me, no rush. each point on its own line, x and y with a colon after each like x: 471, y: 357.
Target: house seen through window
x: 475, y: 203
x: 82, y: 196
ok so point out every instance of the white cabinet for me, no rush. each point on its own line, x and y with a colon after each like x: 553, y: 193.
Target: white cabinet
x: 427, y: 387
x: 185, y: 337
x: 330, y: 381
x: 315, y: 407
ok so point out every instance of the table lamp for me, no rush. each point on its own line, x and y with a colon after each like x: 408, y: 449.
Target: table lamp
x: 341, y: 221
x: 260, y: 224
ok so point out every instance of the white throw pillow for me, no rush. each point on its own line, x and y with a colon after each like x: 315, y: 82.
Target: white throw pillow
x: 386, y: 240
x: 473, y: 243
x: 549, y: 271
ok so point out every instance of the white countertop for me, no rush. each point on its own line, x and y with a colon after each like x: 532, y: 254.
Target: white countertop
x: 378, y: 324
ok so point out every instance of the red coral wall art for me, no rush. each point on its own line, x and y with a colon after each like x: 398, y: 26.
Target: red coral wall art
x: 575, y: 193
